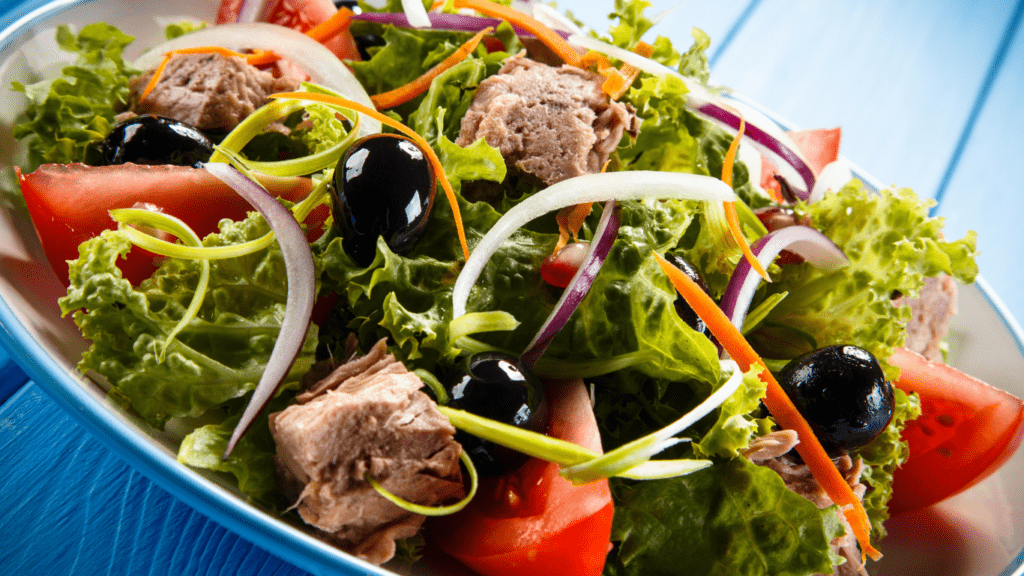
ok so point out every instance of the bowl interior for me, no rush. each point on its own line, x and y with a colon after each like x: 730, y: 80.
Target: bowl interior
x: 979, y: 532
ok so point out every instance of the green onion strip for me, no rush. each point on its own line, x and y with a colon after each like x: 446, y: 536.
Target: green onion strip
x: 580, y: 465
x: 171, y: 225
x: 474, y: 481
x: 256, y: 122
x: 127, y: 218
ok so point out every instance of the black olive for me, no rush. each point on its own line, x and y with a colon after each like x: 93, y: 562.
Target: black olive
x: 843, y: 394
x: 149, y: 139
x: 365, y: 41
x: 495, y: 386
x: 683, y: 309
x: 384, y: 186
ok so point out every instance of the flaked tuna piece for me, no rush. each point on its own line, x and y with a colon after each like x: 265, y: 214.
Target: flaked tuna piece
x: 368, y: 417
x: 554, y: 123
x: 772, y: 451
x: 208, y: 91
x: 931, y: 312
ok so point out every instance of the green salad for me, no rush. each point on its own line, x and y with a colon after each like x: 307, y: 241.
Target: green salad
x: 185, y: 348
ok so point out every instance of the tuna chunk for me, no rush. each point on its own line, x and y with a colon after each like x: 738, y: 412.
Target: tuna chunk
x: 931, y: 312
x: 772, y: 450
x: 208, y: 91
x: 367, y: 418
x: 554, y: 123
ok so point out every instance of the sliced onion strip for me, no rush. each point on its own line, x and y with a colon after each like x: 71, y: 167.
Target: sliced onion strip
x: 641, y: 450
x: 416, y: 13
x: 807, y: 242
x: 583, y: 189
x: 298, y: 263
x: 289, y: 44
x: 604, y: 236
x: 443, y: 21
x: 704, y: 102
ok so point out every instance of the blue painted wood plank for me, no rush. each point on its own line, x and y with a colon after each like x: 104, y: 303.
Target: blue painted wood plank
x: 985, y: 191
x: 12, y: 377
x: 900, y: 78
x: 70, y: 506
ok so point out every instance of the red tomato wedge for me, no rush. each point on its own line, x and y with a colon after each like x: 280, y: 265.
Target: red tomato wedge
x: 967, y: 430
x: 819, y: 147
x: 534, y: 521
x: 69, y: 204
x: 301, y: 15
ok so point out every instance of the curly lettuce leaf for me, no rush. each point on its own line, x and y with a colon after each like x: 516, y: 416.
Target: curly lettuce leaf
x: 251, y: 463
x: 735, y: 425
x: 882, y: 456
x: 217, y: 357
x: 893, y: 244
x: 731, y: 518
x: 70, y: 115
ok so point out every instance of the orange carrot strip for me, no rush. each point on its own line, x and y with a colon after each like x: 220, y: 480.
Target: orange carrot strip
x: 549, y: 37
x: 155, y: 79
x: 570, y: 219
x: 434, y: 161
x: 403, y: 94
x: 336, y: 24
x: 644, y: 49
x: 257, y: 58
x: 730, y: 207
x: 781, y: 407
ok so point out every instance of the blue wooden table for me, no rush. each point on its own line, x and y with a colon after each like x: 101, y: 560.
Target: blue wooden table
x: 928, y: 94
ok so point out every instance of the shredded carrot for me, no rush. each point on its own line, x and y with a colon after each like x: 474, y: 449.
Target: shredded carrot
x: 630, y: 72
x: 403, y: 94
x: 257, y: 58
x: 570, y: 219
x: 549, y: 37
x: 336, y: 24
x: 434, y: 161
x: 778, y: 403
x: 730, y: 207
x: 644, y: 49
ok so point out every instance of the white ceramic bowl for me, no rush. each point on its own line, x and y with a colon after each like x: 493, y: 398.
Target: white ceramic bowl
x: 978, y: 533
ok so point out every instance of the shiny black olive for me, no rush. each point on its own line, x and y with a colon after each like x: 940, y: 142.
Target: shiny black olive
x: 496, y: 387
x: 682, y: 308
x: 149, y: 139
x: 384, y: 186
x: 366, y: 41
x: 842, y: 393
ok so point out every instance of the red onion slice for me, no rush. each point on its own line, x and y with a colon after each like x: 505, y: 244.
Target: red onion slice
x: 579, y: 190
x: 810, y: 244
x: 703, y: 101
x: 604, y: 236
x: 443, y: 21
x: 298, y: 263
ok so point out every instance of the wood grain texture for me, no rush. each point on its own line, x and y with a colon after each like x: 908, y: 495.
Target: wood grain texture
x: 69, y: 506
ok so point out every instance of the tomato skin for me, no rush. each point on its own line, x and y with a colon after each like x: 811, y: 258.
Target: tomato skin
x: 967, y: 430
x: 819, y: 148
x: 534, y: 521
x: 70, y: 203
x: 301, y: 15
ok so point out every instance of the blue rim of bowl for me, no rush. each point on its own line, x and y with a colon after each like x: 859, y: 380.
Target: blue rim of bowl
x: 227, y: 509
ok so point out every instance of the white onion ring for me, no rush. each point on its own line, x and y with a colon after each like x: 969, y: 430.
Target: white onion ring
x: 416, y: 13
x: 811, y: 245
x: 583, y: 190
x: 321, y: 64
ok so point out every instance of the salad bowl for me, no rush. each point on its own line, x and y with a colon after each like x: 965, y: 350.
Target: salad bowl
x: 978, y: 532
